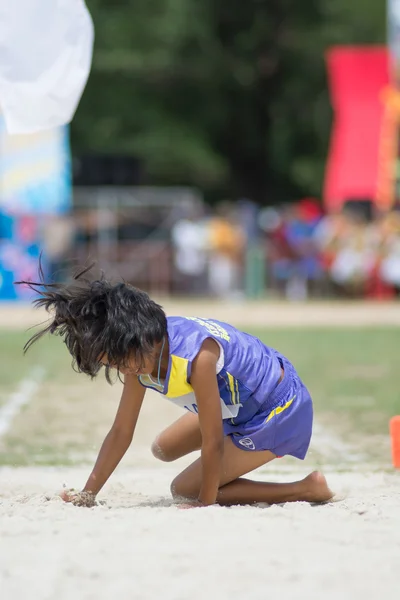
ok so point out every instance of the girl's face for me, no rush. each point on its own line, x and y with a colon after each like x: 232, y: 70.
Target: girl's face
x: 146, y: 367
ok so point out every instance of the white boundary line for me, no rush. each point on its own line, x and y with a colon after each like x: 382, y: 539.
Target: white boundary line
x: 21, y: 397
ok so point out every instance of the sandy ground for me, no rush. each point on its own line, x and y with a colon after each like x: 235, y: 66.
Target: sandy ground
x: 139, y: 546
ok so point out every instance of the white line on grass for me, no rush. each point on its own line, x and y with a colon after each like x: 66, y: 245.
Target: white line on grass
x: 22, y: 396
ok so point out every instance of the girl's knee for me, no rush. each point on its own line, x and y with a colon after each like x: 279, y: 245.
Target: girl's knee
x: 180, y: 488
x: 158, y: 451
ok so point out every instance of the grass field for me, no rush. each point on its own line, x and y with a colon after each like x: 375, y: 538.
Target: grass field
x: 138, y: 545
x: 352, y: 375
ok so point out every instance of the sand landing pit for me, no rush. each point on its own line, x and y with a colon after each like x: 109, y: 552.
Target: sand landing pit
x: 138, y: 545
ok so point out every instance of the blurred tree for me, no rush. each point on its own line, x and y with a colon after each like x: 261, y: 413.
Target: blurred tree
x: 224, y: 94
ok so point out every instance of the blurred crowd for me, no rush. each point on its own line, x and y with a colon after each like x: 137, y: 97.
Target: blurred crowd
x: 307, y: 253
x: 208, y: 252
x: 304, y: 252
x: 347, y: 253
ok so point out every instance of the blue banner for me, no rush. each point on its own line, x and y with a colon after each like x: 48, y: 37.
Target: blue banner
x: 35, y: 183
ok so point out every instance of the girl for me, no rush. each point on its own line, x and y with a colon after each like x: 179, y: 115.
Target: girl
x: 245, y: 404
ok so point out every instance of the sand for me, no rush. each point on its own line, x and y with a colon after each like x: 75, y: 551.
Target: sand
x: 138, y: 545
x: 268, y: 313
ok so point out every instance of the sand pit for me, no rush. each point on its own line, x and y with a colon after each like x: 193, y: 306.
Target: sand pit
x: 140, y: 546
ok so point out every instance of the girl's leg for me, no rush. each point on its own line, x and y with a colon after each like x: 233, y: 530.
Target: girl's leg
x: 179, y: 439
x: 234, y: 490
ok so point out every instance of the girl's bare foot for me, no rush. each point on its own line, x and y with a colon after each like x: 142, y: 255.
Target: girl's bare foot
x: 316, y: 488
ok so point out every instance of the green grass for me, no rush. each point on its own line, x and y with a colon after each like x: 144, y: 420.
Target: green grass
x: 49, y: 353
x: 353, y: 374
x: 350, y: 371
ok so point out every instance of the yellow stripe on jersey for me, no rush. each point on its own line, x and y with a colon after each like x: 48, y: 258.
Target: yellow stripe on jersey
x: 232, y: 387
x: 177, y: 384
x: 279, y: 409
x: 237, y: 391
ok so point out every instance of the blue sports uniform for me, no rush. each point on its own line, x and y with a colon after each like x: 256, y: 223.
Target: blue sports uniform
x: 258, y: 411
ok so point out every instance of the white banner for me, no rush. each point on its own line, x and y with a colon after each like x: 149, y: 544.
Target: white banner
x: 45, y: 60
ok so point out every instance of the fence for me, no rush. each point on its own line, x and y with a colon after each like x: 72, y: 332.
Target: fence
x: 126, y: 231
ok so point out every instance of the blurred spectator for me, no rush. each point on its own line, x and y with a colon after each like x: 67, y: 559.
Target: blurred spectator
x: 247, y: 217
x: 280, y: 256
x: 355, y: 247
x: 292, y: 251
x: 190, y: 241
x: 326, y: 237
x: 226, y: 247
x: 306, y: 267
x: 389, y: 263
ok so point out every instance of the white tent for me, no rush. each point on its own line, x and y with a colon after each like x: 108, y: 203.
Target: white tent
x: 45, y: 59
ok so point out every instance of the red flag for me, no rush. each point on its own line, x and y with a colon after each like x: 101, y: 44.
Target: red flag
x: 357, y: 78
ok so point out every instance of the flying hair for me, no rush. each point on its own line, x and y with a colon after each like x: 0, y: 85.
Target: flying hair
x: 96, y: 318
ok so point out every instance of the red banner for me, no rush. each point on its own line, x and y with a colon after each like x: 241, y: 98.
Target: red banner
x: 358, y: 77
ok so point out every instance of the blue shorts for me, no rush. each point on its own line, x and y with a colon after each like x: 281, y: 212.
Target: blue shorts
x: 283, y: 424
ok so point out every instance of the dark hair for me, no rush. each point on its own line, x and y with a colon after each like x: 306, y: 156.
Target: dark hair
x: 97, y: 318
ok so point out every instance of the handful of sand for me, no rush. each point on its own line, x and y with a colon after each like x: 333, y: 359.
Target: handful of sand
x: 86, y: 499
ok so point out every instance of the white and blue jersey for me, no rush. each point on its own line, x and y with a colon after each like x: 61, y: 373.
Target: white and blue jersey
x: 253, y: 399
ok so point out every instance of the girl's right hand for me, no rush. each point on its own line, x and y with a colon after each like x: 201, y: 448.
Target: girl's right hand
x: 66, y: 495
x: 86, y: 499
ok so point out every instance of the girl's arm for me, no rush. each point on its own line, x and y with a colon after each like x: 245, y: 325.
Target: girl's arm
x: 204, y: 382
x: 119, y: 437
